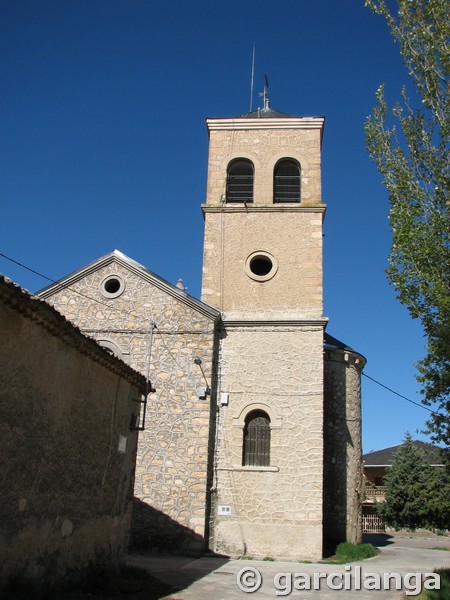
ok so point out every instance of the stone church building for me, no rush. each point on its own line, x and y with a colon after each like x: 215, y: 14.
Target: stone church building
x: 251, y: 443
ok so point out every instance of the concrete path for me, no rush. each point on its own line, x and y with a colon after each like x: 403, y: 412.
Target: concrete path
x: 215, y: 578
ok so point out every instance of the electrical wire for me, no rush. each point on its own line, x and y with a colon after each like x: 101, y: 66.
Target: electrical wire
x: 128, y: 312
x: 68, y: 286
x: 159, y: 333
x: 27, y: 268
x: 401, y: 395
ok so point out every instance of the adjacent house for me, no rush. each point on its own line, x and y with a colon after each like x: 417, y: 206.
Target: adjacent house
x: 376, y: 463
x: 68, y: 410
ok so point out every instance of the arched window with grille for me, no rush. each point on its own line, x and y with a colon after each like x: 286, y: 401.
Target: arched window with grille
x: 286, y: 181
x: 256, y: 448
x: 240, y: 175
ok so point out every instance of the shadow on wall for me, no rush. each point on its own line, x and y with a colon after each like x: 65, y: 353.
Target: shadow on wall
x: 154, y: 531
x: 337, y: 441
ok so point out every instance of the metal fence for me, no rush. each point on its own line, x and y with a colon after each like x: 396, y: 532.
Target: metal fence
x: 375, y: 492
x: 373, y: 524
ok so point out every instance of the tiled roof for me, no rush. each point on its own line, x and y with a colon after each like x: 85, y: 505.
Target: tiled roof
x: 385, y: 457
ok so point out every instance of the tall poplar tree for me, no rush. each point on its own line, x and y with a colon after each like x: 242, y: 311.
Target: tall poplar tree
x: 410, y: 147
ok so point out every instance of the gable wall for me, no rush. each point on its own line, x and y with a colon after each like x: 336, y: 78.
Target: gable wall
x: 171, y: 497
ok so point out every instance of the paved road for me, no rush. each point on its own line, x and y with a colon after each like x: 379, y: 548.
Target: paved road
x: 214, y: 578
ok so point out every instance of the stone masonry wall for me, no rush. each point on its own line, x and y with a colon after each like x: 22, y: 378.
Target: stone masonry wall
x: 67, y: 459
x: 342, y: 447
x: 271, y: 354
x: 294, y: 231
x: 171, y: 501
x: 275, y: 510
x: 264, y: 147
x: 293, y: 237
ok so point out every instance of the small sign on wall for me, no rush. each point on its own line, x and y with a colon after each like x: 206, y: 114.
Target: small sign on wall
x: 225, y: 511
x: 122, y: 444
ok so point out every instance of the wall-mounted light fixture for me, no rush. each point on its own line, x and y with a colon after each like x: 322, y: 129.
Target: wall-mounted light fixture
x: 202, y: 392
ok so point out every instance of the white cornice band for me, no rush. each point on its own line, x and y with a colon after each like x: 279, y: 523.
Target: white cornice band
x: 267, y: 123
x: 267, y: 208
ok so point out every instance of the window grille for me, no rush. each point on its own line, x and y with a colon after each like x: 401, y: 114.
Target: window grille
x: 286, y: 185
x: 240, y: 181
x: 256, y: 451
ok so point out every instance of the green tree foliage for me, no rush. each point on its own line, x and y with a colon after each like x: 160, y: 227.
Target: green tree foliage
x: 410, y: 147
x: 405, y: 481
x: 417, y: 494
x: 437, y: 499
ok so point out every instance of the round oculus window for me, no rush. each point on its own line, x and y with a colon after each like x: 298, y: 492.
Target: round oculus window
x: 112, y: 286
x: 261, y: 266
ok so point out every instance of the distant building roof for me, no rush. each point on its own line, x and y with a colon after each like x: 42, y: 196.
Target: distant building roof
x: 434, y: 455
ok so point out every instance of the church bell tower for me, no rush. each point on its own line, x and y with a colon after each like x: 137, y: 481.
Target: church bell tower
x: 262, y: 268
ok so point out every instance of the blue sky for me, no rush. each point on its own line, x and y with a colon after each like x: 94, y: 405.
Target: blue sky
x: 104, y: 145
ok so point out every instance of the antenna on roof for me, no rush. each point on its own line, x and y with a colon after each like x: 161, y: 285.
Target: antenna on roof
x: 253, y: 78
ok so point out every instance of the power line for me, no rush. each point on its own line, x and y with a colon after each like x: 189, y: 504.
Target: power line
x: 27, y: 268
x: 68, y: 287
x: 400, y: 395
x: 161, y: 337
x: 127, y: 312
